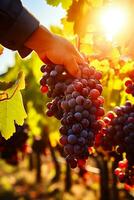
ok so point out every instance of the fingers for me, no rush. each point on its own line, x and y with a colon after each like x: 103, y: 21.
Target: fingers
x: 81, y: 58
x: 73, y: 67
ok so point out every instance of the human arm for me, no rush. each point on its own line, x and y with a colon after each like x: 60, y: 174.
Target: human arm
x: 19, y: 30
x: 16, y: 25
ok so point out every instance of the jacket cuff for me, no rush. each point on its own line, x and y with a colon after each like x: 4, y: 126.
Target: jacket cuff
x: 20, y: 31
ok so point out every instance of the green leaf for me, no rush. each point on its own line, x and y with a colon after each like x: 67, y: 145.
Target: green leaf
x: 11, y: 108
x: 53, y: 2
x: 65, y: 3
x: 68, y: 27
x: 33, y: 119
x: 20, y: 81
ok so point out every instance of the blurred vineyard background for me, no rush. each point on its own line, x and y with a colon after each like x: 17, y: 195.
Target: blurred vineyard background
x: 42, y: 173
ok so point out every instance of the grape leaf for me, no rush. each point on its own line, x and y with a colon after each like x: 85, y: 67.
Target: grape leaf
x: 11, y: 108
x: 80, y: 13
x: 65, y: 4
x: 53, y: 2
x: 96, y: 3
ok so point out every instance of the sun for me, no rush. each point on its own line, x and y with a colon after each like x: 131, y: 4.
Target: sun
x: 113, y: 20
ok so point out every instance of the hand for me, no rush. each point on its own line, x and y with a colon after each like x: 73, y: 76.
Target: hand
x: 51, y: 47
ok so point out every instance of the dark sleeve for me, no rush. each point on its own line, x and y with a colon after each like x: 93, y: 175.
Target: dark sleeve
x: 16, y: 25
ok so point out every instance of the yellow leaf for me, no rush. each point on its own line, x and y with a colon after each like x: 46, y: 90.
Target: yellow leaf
x: 11, y: 108
x: 11, y: 111
x: 96, y: 3
x: 20, y: 81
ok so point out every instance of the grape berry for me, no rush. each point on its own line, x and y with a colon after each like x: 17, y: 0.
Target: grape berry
x: 130, y: 83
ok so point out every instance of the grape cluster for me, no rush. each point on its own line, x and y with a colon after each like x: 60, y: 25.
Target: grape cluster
x: 10, y: 149
x: 78, y: 105
x: 118, y: 134
x: 129, y: 87
x: 130, y: 83
x: 125, y: 174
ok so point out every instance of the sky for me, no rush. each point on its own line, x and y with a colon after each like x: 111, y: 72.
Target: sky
x: 47, y: 15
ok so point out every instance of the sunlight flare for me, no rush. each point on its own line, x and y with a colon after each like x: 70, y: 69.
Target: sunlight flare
x: 113, y: 20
